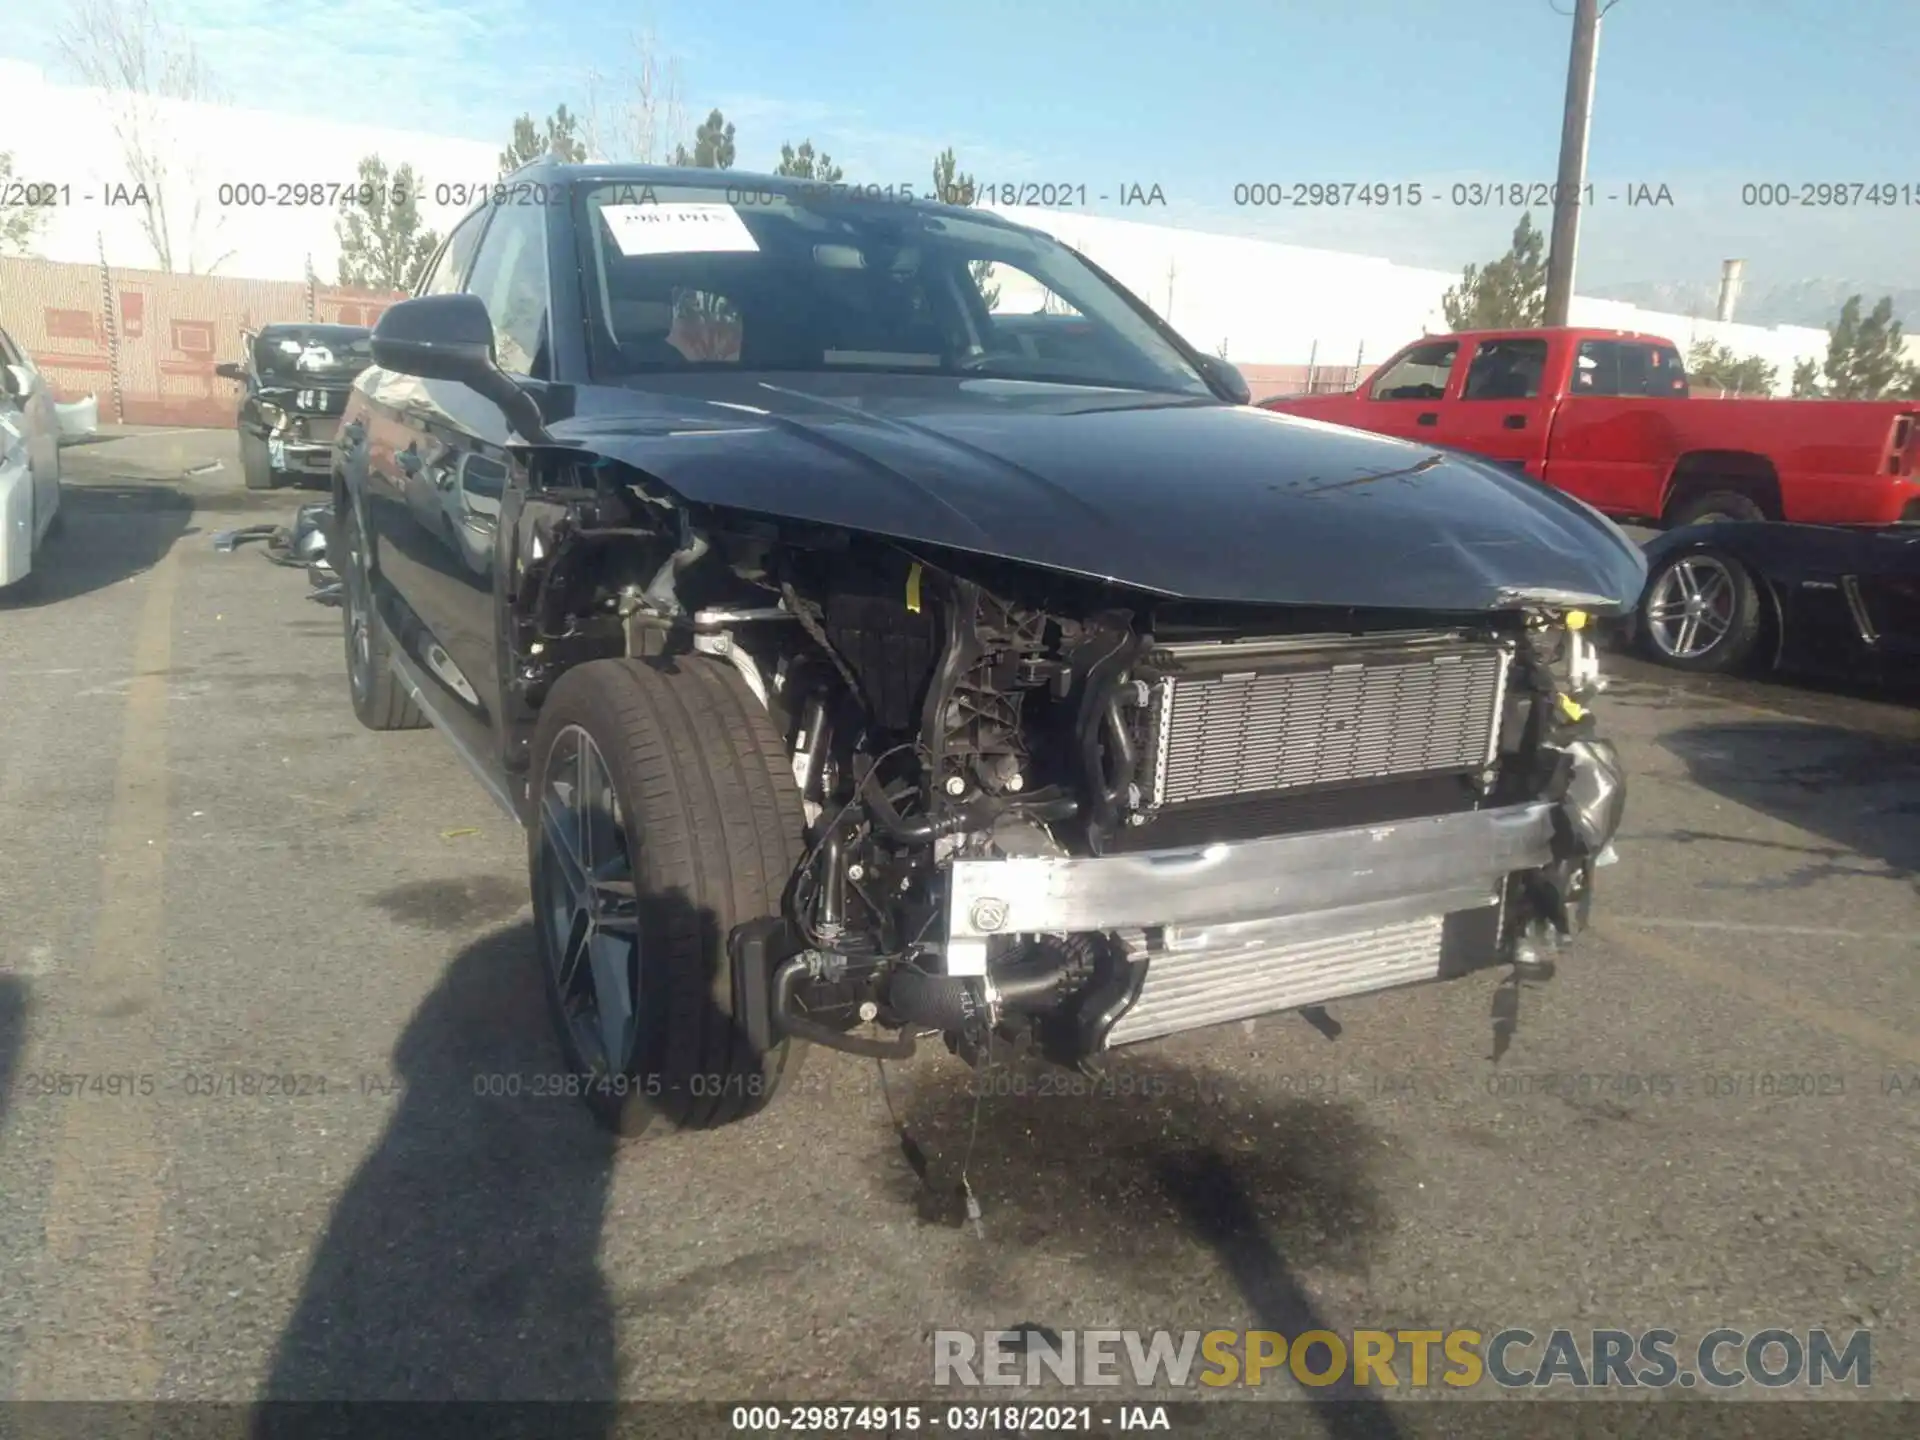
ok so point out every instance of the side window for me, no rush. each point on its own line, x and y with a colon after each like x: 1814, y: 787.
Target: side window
x: 9, y: 353
x: 511, y: 277
x: 1506, y: 370
x: 1651, y: 370
x: 444, y: 278
x: 1622, y: 367
x: 1596, y: 368
x: 1420, y: 374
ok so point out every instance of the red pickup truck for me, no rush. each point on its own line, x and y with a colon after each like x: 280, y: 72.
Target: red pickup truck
x: 1606, y: 415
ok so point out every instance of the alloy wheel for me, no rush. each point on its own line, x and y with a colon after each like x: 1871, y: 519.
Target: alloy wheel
x: 588, y: 903
x: 359, y: 610
x: 1691, y: 607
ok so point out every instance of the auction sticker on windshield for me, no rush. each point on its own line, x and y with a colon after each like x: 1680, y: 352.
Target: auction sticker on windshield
x: 688, y: 227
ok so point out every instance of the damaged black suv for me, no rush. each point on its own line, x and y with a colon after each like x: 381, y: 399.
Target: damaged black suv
x: 295, y: 378
x: 884, y: 626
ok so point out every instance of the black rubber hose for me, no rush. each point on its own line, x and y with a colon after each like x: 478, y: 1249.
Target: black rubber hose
x: 914, y: 832
x: 1063, y: 807
x: 1123, y: 752
x: 1035, y: 978
x: 940, y: 1002
x: 785, y: 980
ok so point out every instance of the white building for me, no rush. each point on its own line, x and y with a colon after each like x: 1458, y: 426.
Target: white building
x: 1259, y: 301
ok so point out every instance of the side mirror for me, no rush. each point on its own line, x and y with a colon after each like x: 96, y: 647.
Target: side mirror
x: 438, y: 337
x: 16, y: 382
x: 230, y: 371
x: 450, y: 337
x: 1226, y: 378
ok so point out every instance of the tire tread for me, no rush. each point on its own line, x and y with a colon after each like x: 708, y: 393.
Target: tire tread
x: 710, y: 792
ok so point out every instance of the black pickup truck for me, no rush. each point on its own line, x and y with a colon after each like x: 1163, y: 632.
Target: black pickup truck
x: 862, y: 670
x: 296, y: 379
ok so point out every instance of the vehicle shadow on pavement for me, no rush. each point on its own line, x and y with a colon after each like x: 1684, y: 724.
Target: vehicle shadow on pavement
x: 1146, y: 1167
x: 461, y: 1261
x: 106, y: 534
x: 15, y: 1003
x: 1859, y: 791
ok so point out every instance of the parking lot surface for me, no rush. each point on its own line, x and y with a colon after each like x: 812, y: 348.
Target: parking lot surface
x: 324, y: 1164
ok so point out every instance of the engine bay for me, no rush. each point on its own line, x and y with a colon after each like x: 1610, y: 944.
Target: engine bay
x: 960, y: 727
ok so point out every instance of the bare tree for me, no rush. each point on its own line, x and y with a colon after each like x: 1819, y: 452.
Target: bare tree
x: 636, y: 112
x: 21, y: 222
x: 145, y: 64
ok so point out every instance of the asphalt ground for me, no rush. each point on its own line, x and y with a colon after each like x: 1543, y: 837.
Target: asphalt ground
x: 327, y: 1168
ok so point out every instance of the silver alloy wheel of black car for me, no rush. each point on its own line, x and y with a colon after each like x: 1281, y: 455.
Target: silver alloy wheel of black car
x: 1691, y: 607
x: 356, y: 592
x: 587, y: 902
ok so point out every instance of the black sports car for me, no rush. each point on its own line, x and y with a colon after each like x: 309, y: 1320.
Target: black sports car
x: 1831, y: 598
x: 297, y: 378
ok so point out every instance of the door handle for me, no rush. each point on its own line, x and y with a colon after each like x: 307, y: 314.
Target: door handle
x: 1429, y: 417
x: 1515, y: 422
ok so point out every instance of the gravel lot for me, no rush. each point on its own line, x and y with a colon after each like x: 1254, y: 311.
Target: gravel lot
x: 213, y: 875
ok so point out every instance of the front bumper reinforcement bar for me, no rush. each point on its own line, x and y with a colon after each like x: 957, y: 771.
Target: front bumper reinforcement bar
x: 1441, y: 860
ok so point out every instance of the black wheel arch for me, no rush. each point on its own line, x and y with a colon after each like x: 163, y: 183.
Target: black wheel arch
x: 1699, y: 473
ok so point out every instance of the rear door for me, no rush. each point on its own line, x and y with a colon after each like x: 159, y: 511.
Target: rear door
x: 1406, y: 395
x: 1502, y: 411
x: 1612, y: 444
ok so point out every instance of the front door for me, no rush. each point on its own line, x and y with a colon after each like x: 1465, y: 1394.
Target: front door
x: 1406, y: 396
x: 1501, y: 414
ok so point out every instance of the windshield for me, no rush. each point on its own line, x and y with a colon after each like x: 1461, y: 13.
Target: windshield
x: 683, y: 278
x: 317, y: 353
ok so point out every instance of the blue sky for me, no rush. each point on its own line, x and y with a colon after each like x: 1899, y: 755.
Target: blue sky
x: 1699, y: 95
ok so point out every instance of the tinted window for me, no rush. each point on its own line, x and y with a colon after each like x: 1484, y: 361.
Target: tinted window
x: 445, y: 276
x: 9, y: 354
x: 1506, y: 370
x: 1626, y: 367
x: 1420, y: 374
x: 510, y: 275
x: 285, y: 354
x: 682, y: 277
x: 1651, y: 370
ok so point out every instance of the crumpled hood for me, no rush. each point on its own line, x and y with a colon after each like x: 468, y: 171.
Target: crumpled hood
x: 1201, y: 501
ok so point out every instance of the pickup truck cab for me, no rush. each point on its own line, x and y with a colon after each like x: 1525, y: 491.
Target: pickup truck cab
x: 1606, y: 416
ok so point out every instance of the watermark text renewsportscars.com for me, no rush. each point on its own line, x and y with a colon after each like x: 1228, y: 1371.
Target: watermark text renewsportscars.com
x: 1407, y: 1359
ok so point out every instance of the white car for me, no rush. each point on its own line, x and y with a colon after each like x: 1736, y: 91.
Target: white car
x: 29, y: 462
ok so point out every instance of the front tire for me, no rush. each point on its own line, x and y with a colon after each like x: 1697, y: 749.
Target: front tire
x: 256, y: 466
x: 1700, y: 612
x: 665, y: 813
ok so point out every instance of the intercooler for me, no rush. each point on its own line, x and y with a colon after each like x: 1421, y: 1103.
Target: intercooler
x: 1243, y: 718
x: 1206, y: 975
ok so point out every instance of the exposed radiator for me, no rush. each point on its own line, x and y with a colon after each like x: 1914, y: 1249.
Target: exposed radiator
x: 1302, y: 720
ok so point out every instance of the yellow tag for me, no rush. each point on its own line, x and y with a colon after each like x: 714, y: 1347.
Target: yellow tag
x: 1575, y: 710
x: 1576, y: 619
x: 913, y: 588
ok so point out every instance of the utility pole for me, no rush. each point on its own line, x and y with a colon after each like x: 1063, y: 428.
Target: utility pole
x: 1573, y: 159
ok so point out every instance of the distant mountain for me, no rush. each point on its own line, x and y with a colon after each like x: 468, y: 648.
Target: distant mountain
x: 1793, y: 302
